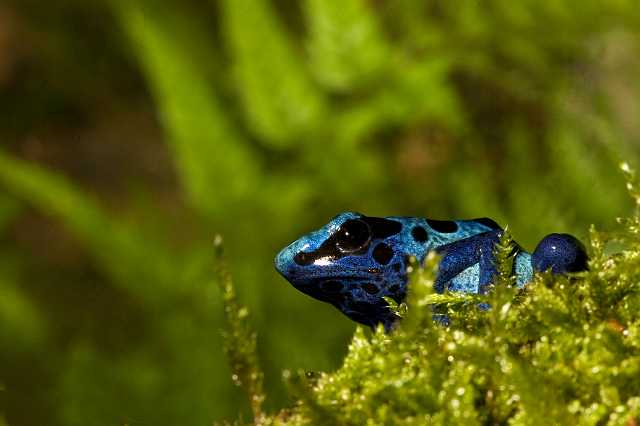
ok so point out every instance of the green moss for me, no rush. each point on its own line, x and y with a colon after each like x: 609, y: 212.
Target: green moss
x: 564, y: 349
x: 240, y: 340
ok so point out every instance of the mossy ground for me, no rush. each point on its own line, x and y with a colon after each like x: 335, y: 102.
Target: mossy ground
x: 565, y: 350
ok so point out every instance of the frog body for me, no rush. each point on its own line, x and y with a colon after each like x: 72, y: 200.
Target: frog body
x: 355, y: 261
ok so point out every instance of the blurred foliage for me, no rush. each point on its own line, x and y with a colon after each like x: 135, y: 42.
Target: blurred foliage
x: 275, y: 116
x: 564, y: 350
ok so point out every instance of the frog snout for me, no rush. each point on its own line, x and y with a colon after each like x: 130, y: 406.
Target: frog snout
x: 283, y: 261
x: 288, y: 262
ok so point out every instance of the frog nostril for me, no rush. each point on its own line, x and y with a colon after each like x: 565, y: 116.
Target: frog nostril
x: 303, y: 259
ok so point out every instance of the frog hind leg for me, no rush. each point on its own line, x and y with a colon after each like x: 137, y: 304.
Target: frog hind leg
x: 467, y: 265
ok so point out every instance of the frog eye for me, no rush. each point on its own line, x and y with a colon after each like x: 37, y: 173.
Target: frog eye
x: 353, y: 235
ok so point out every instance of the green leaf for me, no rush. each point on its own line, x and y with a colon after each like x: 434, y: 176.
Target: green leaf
x: 280, y: 101
x: 118, y: 249
x: 346, y: 43
x: 9, y: 209
x: 417, y: 94
x: 23, y: 326
x: 214, y: 162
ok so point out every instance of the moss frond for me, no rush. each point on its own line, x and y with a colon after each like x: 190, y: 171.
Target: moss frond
x: 240, y: 339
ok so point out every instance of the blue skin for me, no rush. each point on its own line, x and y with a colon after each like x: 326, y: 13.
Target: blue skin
x: 354, y: 261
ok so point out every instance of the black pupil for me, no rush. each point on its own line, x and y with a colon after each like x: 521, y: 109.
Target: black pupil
x: 353, y: 234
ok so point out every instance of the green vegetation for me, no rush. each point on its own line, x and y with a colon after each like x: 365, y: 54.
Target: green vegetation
x: 564, y: 349
x: 134, y: 132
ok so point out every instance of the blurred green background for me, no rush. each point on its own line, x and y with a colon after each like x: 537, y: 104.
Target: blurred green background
x: 134, y: 131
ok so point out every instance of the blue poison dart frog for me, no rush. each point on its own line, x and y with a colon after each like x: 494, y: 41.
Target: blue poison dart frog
x: 355, y: 260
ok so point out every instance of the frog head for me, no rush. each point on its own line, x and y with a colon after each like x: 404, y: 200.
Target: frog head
x: 353, y: 262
